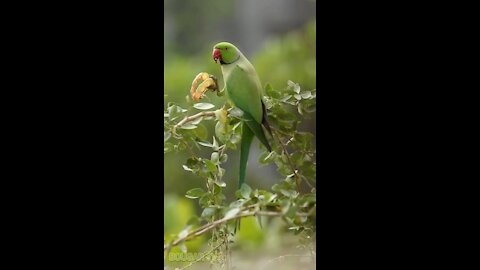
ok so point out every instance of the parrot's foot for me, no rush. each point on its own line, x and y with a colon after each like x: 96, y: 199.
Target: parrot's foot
x: 208, y: 82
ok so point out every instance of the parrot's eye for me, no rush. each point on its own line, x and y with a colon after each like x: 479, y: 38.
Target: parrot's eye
x: 226, y: 49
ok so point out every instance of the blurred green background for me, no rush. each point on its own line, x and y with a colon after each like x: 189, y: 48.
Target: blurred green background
x: 279, y: 38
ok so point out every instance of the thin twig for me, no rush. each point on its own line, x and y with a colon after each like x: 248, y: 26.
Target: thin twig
x: 193, y: 117
x: 297, y: 178
x: 207, y: 227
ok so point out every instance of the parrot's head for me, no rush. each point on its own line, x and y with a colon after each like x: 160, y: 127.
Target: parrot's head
x: 225, y: 53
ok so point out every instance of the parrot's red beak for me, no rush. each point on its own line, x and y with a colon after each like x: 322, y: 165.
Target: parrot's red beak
x: 217, y: 55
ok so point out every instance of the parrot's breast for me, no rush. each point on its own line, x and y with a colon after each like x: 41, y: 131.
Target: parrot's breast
x: 244, y: 90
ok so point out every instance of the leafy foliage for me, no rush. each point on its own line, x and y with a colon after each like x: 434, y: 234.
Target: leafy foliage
x: 293, y: 198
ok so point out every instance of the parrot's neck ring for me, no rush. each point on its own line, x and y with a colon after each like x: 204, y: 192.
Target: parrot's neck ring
x: 224, y: 63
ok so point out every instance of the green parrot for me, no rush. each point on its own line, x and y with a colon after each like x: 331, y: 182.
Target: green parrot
x: 244, y: 90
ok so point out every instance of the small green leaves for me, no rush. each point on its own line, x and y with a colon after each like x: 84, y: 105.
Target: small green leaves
x: 195, y: 193
x: 271, y: 92
x: 174, y: 111
x: 295, y: 162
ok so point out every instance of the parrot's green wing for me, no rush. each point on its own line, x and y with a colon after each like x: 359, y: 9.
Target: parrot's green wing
x: 244, y: 89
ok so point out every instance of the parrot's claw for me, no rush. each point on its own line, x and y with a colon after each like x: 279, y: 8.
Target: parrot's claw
x: 208, y: 82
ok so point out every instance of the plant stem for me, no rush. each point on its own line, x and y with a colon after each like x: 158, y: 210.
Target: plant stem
x: 297, y: 178
x: 193, y: 117
x: 207, y: 227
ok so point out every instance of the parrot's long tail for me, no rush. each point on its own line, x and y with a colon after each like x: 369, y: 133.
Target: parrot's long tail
x: 247, y: 137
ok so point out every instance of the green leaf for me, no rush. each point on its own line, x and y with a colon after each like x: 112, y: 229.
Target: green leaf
x: 224, y: 158
x: 232, y: 212
x: 285, y: 204
x: 306, y: 94
x: 268, y: 87
x: 195, y: 193
x: 208, y: 212
x: 297, y: 158
x: 215, y: 144
x: 237, y: 203
x: 286, y: 98
x: 245, y: 191
x: 295, y: 86
x: 203, y: 106
x: 292, y: 211
x: 276, y: 187
x: 267, y: 157
x: 269, y: 90
x: 196, y: 121
x: 186, y: 168
x: 299, y: 108
x: 289, y: 193
x: 220, y: 132
x: 206, y: 144
x: 221, y: 172
x: 201, y: 132
x: 188, y: 126
x: 184, y: 232
x: 205, y: 199
x: 220, y: 183
x: 236, y: 125
x: 215, y: 157
x: 236, y: 112
x: 210, y: 165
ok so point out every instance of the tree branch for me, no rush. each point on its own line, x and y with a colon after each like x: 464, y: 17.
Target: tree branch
x: 297, y: 177
x: 207, y: 227
x: 192, y: 117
